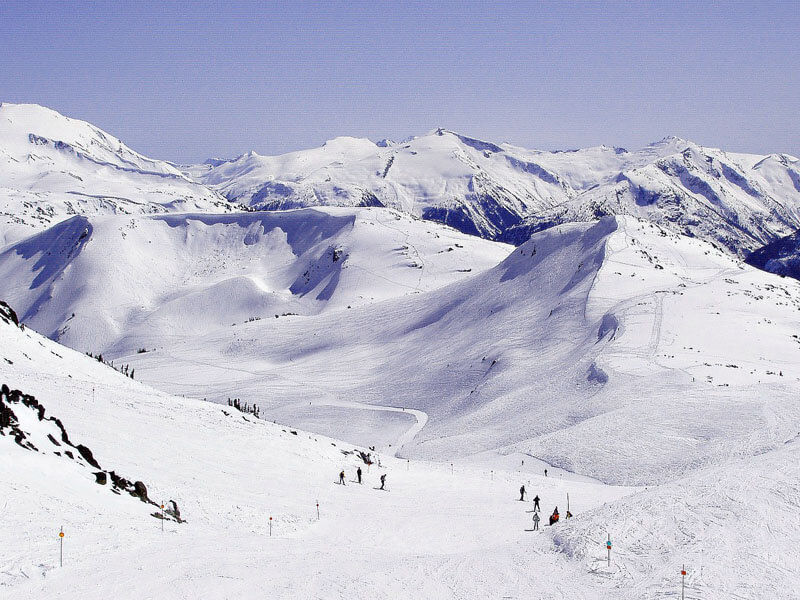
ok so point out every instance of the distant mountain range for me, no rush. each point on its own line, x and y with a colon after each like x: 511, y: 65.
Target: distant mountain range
x: 52, y: 167
x: 737, y: 201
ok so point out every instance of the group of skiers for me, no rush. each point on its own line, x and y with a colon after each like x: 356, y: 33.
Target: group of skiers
x: 358, y: 478
x: 554, y: 517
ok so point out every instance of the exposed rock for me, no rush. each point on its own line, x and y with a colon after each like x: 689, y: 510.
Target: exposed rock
x: 87, y: 455
x: 173, y: 511
x: 7, y: 314
x: 140, y: 491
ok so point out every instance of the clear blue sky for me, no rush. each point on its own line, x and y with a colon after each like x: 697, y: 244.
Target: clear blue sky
x: 188, y: 80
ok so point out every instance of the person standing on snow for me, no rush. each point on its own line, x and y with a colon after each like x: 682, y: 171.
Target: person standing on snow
x: 536, y: 521
x: 554, y: 516
x: 341, y: 477
x: 536, y: 503
x: 522, y: 494
x: 358, y: 474
x: 545, y: 472
x: 383, y: 481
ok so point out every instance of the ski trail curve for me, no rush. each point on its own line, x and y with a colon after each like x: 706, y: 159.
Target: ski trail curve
x: 392, y: 450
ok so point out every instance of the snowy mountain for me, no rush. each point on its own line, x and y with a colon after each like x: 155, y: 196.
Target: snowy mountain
x: 249, y: 491
x: 737, y: 201
x: 52, y: 167
x: 618, y: 331
x: 92, y: 281
x: 475, y: 186
x: 622, y: 343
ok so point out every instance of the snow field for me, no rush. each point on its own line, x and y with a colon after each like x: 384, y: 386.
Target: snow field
x: 228, y: 474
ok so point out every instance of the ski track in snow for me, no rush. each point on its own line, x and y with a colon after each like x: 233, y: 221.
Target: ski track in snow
x: 421, y: 418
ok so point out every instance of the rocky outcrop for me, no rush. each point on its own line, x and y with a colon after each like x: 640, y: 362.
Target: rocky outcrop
x: 60, y: 443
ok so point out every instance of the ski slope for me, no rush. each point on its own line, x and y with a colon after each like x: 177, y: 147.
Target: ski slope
x: 584, y: 346
x: 229, y: 473
x: 435, y: 533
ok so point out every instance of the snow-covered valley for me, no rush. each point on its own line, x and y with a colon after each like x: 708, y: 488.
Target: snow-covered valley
x: 624, y: 357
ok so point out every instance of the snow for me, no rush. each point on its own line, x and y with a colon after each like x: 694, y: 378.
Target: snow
x: 228, y: 475
x: 633, y: 358
x: 611, y: 331
x: 52, y: 167
x: 434, y: 534
x: 127, y: 282
x: 738, y: 201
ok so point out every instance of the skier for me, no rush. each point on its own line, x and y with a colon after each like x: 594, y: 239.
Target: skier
x: 341, y: 477
x: 545, y: 472
x: 536, y: 503
x: 383, y: 481
x: 358, y: 474
x: 522, y: 494
x: 536, y: 521
x: 568, y: 515
x: 554, y: 516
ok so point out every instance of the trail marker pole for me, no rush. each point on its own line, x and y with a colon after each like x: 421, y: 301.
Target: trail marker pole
x: 61, y: 546
x: 270, y: 527
x: 683, y: 580
x: 568, y: 502
x: 317, y: 510
x: 608, y: 547
x: 162, y: 517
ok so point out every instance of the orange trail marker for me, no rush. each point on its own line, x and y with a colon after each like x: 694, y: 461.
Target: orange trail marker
x: 683, y: 580
x: 61, y: 546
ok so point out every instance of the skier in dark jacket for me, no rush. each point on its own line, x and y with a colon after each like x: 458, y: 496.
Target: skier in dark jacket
x: 522, y: 494
x: 536, y: 503
x: 341, y: 477
x: 358, y: 474
x: 383, y: 481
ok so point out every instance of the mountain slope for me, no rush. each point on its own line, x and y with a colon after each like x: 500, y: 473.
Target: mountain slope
x: 471, y: 185
x: 584, y: 346
x: 89, y: 282
x: 248, y: 491
x: 52, y: 167
x: 781, y: 257
x: 736, y: 201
